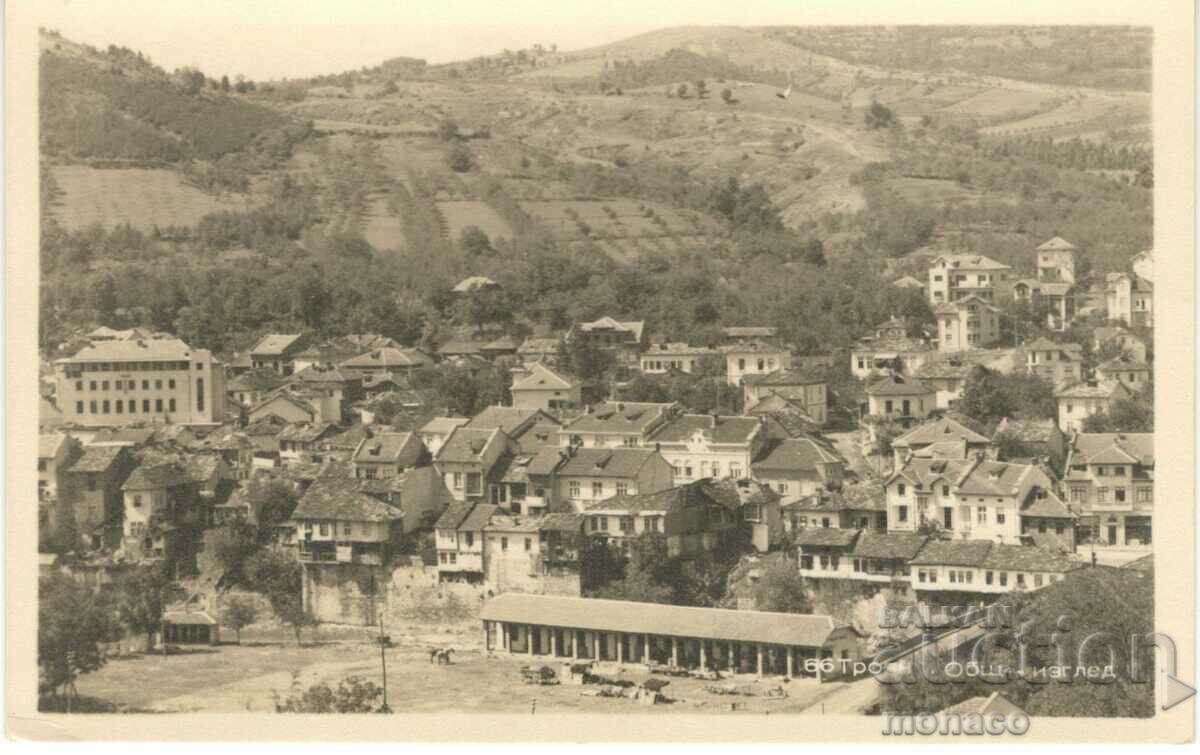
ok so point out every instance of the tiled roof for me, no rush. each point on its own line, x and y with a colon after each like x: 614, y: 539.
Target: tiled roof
x: 938, y: 431
x: 952, y: 307
x: 804, y: 630
x: 513, y: 421
x: 443, y: 425
x: 467, y: 445
x: 274, y: 344
x: 259, y: 380
x: 454, y: 515
x: 305, y: 432
x: 1072, y: 350
x: 971, y: 262
x: 731, y: 430
x: 319, y: 374
x: 268, y: 425
x: 785, y: 378
x: 152, y: 476
x: 507, y: 523
x: 618, y: 417
x: 1027, y: 558
x: 677, y: 348
x: 97, y: 458
x: 999, y: 478
x: 480, y: 515
x: 403, y: 449
x: 388, y: 357
x: 1042, y: 502
x: 1027, y: 430
x: 897, y: 386
x: 825, y: 537
x: 340, y: 499
x: 561, y: 522
x: 157, y: 350
x: 474, y: 283
x: 541, y: 377
x: 1057, y: 244
x: 633, y: 327
x: 895, y: 545
x: 752, y: 347
x: 460, y: 347
x: 1123, y: 364
x: 796, y: 455
x: 1093, y: 389
x: 49, y: 445
x: 338, y: 349
x: 539, y: 346
x: 953, y: 553
x: 605, y: 462
x: 729, y: 494
x: 891, y: 346
x: 1113, y: 448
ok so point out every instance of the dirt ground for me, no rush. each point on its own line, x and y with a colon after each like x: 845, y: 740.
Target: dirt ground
x: 233, y: 678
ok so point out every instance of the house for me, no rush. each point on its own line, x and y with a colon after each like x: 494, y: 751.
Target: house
x: 537, y: 386
x: 824, y: 552
x: 523, y: 554
x: 234, y: 448
x: 113, y: 383
x: 334, y: 351
x: 858, y: 506
x: 967, y: 323
x: 503, y: 346
x: 982, y: 566
x: 475, y: 283
x: 189, y: 625
x: 579, y: 477
x: 941, y: 438
x: 251, y: 387
x: 94, y: 481
x: 901, y: 400
x: 292, y: 407
x: 1078, y: 401
x: 383, y: 455
x: 699, y: 446
x: 50, y: 418
x: 549, y: 627
x: 625, y: 339
x: 884, y: 558
x: 459, y: 537
x: 338, y: 523
x: 56, y: 452
x: 434, y: 432
x: 1056, y: 260
x: 470, y: 461
x: 908, y: 282
x: 163, y: 514
x: 798, y: 467
x: 532, y: 429
x: 806, y: 388
x: 337, y: 388
x: 1109, y: 479
x: 694, y: 518
x: 617, y: 423
x: 757, y: 357
x: 388, y: 360
x: 535, y: 349
x: 890, y: 349
x: 748, y: 333
x: 788, y: 415
x: 277, y: 351
x: 1132, y: 373
x: 1039, y: 437
x: 956, y: 276
x: 460, y: 348
x: 661, y: 358
x: 1057, y: 363
x: 948, y: 377
x: 302, y: 442
x: 1130, y: 299
x: 1117, y: 341
x: 973, y: 498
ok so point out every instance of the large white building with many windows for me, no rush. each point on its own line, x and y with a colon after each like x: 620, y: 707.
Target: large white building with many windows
x: 126, y: 382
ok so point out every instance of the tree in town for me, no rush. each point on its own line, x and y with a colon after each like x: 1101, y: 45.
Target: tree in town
x: 701, y: 89
x: 143, y: 596
x: 727, y: 96
x: 475, y: 242
x: 459, y: 158
x: 1125, y: 415
x: 681, y: 91
x: 780, y: 589
x: 232, y: 545
x: 879, y: 116
x: 239, y: 613
x: 279, y: 577
x: 447, y: 131
x: 582, y: 358
x: 271, y: 503
x: 353, y: 694
x: 225, y: 83
x: 73, y: 622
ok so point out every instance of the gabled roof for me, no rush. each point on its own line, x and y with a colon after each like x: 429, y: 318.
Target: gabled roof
x: 1092, y: 389
x: 514, y: 421
x: 443, y: 425
x: 97, y: 458
x: 388, y: 357
x: 305, y: 432
x: 622, y: 463
x: 939, y: 430
x: 154, y: 476
x: 403, y: 449
x: 1071, y: 350
x: 454, y: 515
x: 479, y: 517
x: 633, y: 327
x: 719, y: 429
x: 678, y: 349
x: 1027, y: 430
x: 540, y: 377
x: 534, y: 345
x: 474, y: 283
x: 895, y: 545
x: 141, y: 350
x: 970, y: 262
x: 260, y: 380
x: 468, y: 445
x: 340, y: 499
x: 49, y: 445
x: 1123, y: 364
x: 804, y: 630
x: 340, y: 348
x: 1057, y: 244
x: 1042, y: 502
x: 561, y: 522
x: 895, y: 385
x: 755, y: 346
x: 286, y: 396
x: 619, y: 417
x: 318, y: 374
x: 1113, y: 448
x: 785, y: 378
x: 1001, y: 478
x: 952, y: 307
x: 797, y: 455
x: 908, y: 282
x: 277, y: 344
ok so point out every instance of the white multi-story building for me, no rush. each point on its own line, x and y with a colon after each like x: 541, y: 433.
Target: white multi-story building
x: 125, y: 382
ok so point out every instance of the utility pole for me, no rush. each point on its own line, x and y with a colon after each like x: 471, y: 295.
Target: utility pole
x: 383, y: 642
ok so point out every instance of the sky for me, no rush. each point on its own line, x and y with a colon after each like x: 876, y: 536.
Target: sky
x: 272, y: 39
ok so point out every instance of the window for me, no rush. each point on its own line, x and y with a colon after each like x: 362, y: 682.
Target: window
x: 1119, y: 471
x: 625, y: 524
x: 132, y: 406
x: 981, y: 514
x: 324, y: 528
x: 442, y: 557
x: 806, y: 562
x: 622, y: 488
x: 469, y: 538
x: 171, y: 383
x: 987, y: 577
x: 346, y: 528
x: 1145, y: 495
x: 157, y: 385
x: 604, y: 524
x: 597, y: 490
x: 716, y: 469
x: 860, y: 564
x: 137, y: 501
x: 504, y: 543
x: 171, y: 405
x: 1004, y: 579
x: 145, y: 385
x: 145, y: 405
x: 1020, y: 580
x: 921, y: 576
x: 1101, y: 495
x: 687, y: 470
x: 783, y: 488
x: 1119, y: 495
x: 735, y: 470
x: 1037, y: 580
x: 120, y: 406
x: 999, y: 517
x: 104, y: 385
x: 825, y: 522
x: 453, y: 558
x: 574, y: 489
x: 105, y: 406
x: 92, y: 406
x: 1078, y: 494
x: 887, y: 407
x: 79, y: 407
x: 1101, y: 472
x: 528, y: 543
x: 902, y: 513
x: 79, y: 385
x: 457, y: 480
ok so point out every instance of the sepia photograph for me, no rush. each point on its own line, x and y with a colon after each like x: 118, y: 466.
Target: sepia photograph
x: 504, y: 368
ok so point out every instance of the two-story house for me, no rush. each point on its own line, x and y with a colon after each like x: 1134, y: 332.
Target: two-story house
x: 471, y: 462
x: 806, y: 388
x: 699, y: 446
x: 338, y: 523
x: 955, y: 276
x: 1078, y: 401
x: 752, y: 358
x: 798, y: 467
x: 94, y: 481
x: 891, y: 349
x: 164, y: 513
x: 1109, y: 480
x: 898, y: 399
x: 864, y: 556
x: 1118, y: 341
x: 56, y: 452
x: 387, y: 360
x: 661, y: 358
x: 983, y: 566
x: 334, y: 351
x: 252, y: 386
x: 537, y: 386
x: 617, y: 423
x: 531, y: 428
x: 301, y: 443
x: 459, y: 539
x: 277, y: 351
x: 1130, y: 299
x: 854, y: 506
x: 434, y: 432
x: 941, y: 438
x: 626, y: 340
x: 967, y: 323
x: 338, y: 388
x: 1132, y: 373
x: 580, y: 477
x: 1057, y: 363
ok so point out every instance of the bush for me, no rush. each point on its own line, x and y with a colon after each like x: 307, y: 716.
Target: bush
x: 460, y: 159
x: 354, y: 694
